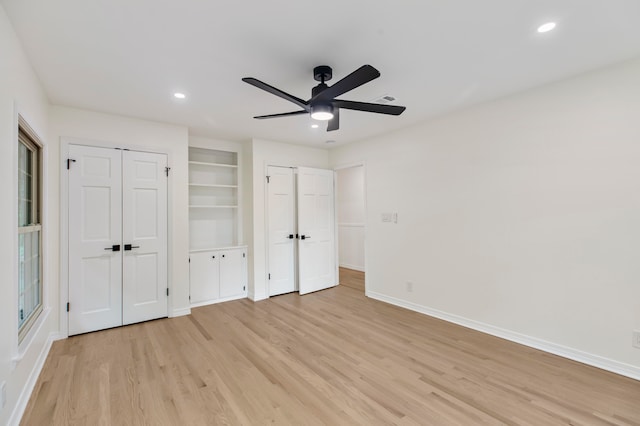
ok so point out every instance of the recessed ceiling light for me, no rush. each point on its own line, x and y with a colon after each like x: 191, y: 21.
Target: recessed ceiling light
x: 314, y: 126
x: 545, y: 28
x: 179, y: 95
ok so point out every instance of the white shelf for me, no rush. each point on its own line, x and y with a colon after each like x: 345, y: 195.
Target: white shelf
x: 205, y: 249
x: 207, y: 185
x: 202, y: 163
x: 214, y: 198
x: 197, y: 206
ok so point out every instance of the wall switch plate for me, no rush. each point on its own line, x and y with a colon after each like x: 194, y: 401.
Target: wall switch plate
x: 395, y: 218
x: 386, y: 217
x: 636, y: 339
x: 3, y: 394
x: 409, y: 286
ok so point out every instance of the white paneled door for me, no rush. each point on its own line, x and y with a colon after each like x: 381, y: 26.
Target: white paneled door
x: 316, y: 228
x: 95, y: 239
x: 117, y: 237
x: 144, y: 236
x: 281, y: 229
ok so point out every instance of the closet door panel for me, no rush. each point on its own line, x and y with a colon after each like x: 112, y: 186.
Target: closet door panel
x: 95, y: 232
x: 144, y: 236
x: 316, y: 228
x: 281, y: 230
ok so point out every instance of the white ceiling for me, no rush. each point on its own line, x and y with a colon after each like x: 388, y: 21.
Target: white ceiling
x: 128, y: 56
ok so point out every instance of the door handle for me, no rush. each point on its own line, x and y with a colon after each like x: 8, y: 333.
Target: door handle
x: 305, y: 237
x: 115, y: 247
x: 128, y: 247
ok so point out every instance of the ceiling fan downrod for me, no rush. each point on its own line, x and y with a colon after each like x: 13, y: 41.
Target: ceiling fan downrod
x: 322, y: 74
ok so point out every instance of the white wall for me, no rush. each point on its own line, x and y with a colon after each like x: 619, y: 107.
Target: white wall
x: 262, y: 154
x: 520, y: 217
x: 350, y: 217
x: 21, y: 93
x: 81, y: 125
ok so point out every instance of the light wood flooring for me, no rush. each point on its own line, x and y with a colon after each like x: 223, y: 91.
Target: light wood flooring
x: 352, y: 278
x: 332, y: 357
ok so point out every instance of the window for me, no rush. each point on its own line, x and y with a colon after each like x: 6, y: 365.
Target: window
x: 29, y: 231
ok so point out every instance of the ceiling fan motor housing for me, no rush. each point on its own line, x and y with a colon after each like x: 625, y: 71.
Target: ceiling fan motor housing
x: 318, y: 89
x: 322, y: 73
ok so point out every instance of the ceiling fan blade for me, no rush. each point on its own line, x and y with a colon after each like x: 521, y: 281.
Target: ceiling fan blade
x: 334, y: 123
x: 362, y: 75
x: 365, y: 106
x: 283, y: 114
x: 264, y: 86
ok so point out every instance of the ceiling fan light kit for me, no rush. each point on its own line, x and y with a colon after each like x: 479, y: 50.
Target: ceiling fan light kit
x: 323, y: 105
x: 322, y: 112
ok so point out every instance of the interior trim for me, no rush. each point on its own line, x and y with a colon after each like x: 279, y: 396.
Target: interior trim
x: 597, y: 361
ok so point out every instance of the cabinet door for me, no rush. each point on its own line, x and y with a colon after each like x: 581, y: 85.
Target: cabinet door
x: 204, y: 277
x: 232, y: 273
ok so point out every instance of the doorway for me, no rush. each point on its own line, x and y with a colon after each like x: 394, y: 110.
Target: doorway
x: 350, y: 215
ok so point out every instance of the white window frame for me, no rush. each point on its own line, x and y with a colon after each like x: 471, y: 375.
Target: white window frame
x: 27, y: 137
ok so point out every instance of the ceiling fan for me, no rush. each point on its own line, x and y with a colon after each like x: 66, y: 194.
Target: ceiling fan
x: 323, y: 104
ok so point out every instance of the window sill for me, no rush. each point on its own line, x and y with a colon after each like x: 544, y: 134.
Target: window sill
x: 25, y: 345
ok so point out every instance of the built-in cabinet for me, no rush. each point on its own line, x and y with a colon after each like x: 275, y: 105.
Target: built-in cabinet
x: 217, y: 260
x: 218, y: 275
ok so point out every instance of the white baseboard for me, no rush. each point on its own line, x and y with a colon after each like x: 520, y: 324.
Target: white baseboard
x: 23, y: 399
x: 607, y: 364
x: 213, y: 302
x: 57, y: 336
x: 354, y: 267
x: 256, y: 297
x: 180, y: 312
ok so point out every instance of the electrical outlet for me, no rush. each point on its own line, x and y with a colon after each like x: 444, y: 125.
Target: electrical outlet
x: 409, y: 286
x: 386, y: 217
x: 636, y: 339
x: 3, y: 394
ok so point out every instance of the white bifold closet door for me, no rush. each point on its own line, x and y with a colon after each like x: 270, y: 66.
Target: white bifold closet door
x: 316, y: 228
x: 302, y: 213
x: 95, y: 239
x: 282, y: 229
x: 144, y: 227
x: 117, y: 237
